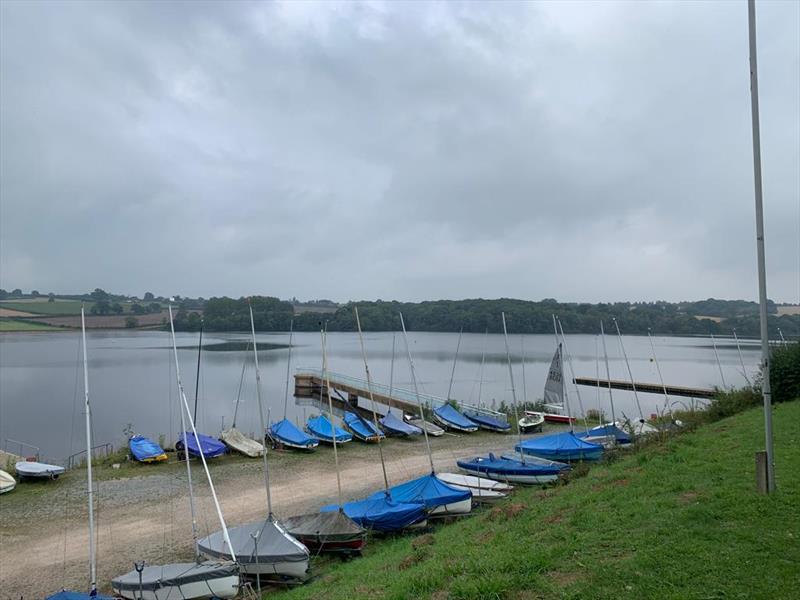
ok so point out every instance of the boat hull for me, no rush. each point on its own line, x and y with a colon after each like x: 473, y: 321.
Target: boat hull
x: 7, y: 482
x: 286, y: 444
x: 454, y: 426
x: 473, y: 482
x: 431, y: 428
x: 462, y: 507
x: 278, y: 571
x: 525, y: 479
x: 194, y: 582
x: 225, y: 587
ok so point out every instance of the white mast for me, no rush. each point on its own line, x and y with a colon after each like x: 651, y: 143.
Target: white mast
x: 572, y: 373
x: 391, y: 369
x: 371, y: 398
x: 762, y: 275
x: 563, y: 383
x: 608, y: 375
x: 630, y: 373
x: 288, y: 370
x: 483, y: 360
x: 719, y: 364
x: 416, y: 391
x: 261, y: 412
x: 455, y: 360
x: 330, y: 414
x: 741, y: 359
x: 597, y: 377
x: 513, y: 391
x: 658, y: 368
x: 92, y: 556
x: 522, y: 352
x: 202, y: 456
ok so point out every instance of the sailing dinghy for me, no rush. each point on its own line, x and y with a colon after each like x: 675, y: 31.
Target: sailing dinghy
x: 488, y: 422
x: 531, y: 422
x: 286, y: 433
x: 606, y: 435
x: 197, y: 444
x: 430, y: 428
x: 565, y: 447
x: 450, y: 418
x: 322, y: 428
x: 439, y: 498
x: 511, y: 469
x: 470, y: 481
x: 7, y: 482
x: 145, y: 450
x: 36, y: 470
x: 362, y: 429
x: 237, y: 441
x: 395, y: 426
x: 382, y: 514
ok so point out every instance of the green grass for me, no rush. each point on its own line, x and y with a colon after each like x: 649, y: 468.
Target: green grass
x: 13, y: 325
x: 678, y: 519
x: 39, y: 307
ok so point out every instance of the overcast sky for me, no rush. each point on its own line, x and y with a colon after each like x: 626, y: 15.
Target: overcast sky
x: 397, y: 150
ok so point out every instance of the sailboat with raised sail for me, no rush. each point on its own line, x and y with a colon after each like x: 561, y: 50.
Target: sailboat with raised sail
x: 263, y: 548
x: 92, y: 594
x: 189, y: 581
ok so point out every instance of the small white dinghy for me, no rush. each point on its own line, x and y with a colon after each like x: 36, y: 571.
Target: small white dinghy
x: 481, y: 496
x: 7, y: 482
x: 236, y: 440
x: 470, y: 481
x: 37, y: 470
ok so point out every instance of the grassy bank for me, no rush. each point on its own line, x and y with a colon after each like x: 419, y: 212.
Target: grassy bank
x: 677, y: 520
x: 14, y: 325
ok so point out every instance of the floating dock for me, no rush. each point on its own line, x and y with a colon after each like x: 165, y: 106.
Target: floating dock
x: 647, y: 388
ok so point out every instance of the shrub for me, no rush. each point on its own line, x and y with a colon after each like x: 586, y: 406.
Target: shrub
x: 784, y: 372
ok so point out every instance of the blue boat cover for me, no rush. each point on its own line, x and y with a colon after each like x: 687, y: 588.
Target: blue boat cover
x: 361, y: 427
x: 429, y: 490
x: 510, y: 466
x: 380, y: 513
x: 608, y: 430
x: 448, y: 414
x: 322, y: 428
x: 66, y: 595
x: 210, y: 447
x: 398, y: 426
x: 489, y: 421
x: 145, y: 449
x: 561, y: 446
x: 288, y: 432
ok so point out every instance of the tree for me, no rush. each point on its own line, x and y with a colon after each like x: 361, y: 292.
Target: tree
x: 51, y: 297
x: 131, y: 322
x: 154, y: 307
x: 138, y: 309
x: 99, y: 295
x: 35, y: 293
x: 116, y: 308
x: 16, y: 293
x: 3, y: 294
x: 148, y: 297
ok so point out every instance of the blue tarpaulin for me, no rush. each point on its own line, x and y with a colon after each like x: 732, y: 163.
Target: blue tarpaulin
x: 429, y: 490
x: 510, y: 466
x: 489, y: 422
x: 381, y: 513
x: 361, y: 428
x: 210, y: 447
x: 145, y: 450
x: 322, y: 428
x: 288, y: 433
x: 397, y: 426
x: 561, y: 446
x: 608, y: 431
x: 66, y: 595
x: 450, y: 417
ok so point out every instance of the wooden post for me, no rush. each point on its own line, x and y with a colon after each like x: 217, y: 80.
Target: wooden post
x: 762, y: 473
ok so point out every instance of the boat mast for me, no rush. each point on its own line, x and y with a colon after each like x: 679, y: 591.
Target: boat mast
x: 597, y: 377
x: 92, y: 556
x: 741, y: 359
x: 630, y: 373
x: 524, y: 385
x: 416, y: 391
x: 563, y: 383
x: 455, y: 360
x: 185, y: 407
x: 241, y: 381
x: 260, y: 411
x: 483, y: 360
x: 288, y: 370
x: 608, y: 374
x: 391, y: 369
x: 513, y: 390
x: 327, y: 376
x: 197, y: 377
x: 719, y: 364
x: 371, y: 398
x: 572, y: 372
x: 658, y: 368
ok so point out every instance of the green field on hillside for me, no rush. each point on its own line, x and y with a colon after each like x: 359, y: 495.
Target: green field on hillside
x: 681, y: 519
x: 13, y: 325
x: 39, y: 307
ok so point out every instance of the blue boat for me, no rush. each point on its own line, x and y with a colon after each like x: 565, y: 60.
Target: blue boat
x: 288, y: 434
x: 210, y: 447
x: 145, y: 450
x: 450, y: 418
x: 67, y: 595
x: 362, y: 429
x: 513, y: 469
x: 606, y: 433
x: 561, y: 446
x: 380, y: 513
x: 488, y: 422
x: 438, y: 497
x: 395, y: 426
x: 322, y: 428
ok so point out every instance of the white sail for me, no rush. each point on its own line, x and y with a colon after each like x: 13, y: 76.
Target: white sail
x: 554, y: 386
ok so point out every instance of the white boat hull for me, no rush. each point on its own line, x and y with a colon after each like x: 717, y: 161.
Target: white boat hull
x: 473, y: 482
x: 276, y: 570
x: 462, y: 507
x: 7, y: 482
x: 431, y: 428
x: 222, y: 587
x: 482, y: 496
x: 526, y: 479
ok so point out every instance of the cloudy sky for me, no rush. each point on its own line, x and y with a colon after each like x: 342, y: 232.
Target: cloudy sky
x: 397, y: 150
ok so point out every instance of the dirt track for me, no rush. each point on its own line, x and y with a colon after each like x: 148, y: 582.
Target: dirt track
x: 43, y: 531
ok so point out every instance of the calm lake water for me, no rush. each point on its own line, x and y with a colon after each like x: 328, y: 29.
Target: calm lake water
x: 132, y: 377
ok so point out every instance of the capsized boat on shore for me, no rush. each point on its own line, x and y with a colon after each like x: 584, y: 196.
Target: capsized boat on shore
x: 37, y: 470
x: 237, y: 441
x: 195, y: 444
x: 564, y: 446
x: 439, y: 498
x: 288, y: 434
x: 145, y: 450
x: 450, y: 418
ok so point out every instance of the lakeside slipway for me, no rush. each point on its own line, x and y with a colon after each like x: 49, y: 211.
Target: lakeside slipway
x: 680, y: 519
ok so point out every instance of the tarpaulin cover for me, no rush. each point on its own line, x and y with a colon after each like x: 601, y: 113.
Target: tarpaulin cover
x: 211, y: 447
x: 326, y: 526
x: 36, y: 469
x: 561, y: 446
x: 398, y: 426
x: 275, y: 544
x: 145, y: 450
x: 66, y: 595
x: 236, y: 440
x: 321, y: 427
x: 451, y: 416
x: 381, y: 513
x: 489, y: 422
x: 608, y: 431
x: 156, y: 577
x: 429, y: 490
x: 538, y: 460
x: 507, y: 466
x: 361, y: 428
x: 287, y: 432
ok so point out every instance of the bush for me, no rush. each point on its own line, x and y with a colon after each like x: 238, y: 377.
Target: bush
x: 131, y: 322
x: 784, y: 372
